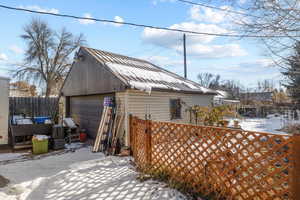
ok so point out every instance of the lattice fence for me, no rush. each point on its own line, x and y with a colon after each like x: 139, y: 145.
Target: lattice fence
x: 231, y: 163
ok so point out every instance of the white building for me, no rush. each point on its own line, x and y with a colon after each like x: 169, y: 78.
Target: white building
x: 4, y: 110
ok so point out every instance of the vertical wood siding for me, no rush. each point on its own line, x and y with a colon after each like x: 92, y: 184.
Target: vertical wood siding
x: 87, y: 111
x: 89, y: 77
x: 33, y: 106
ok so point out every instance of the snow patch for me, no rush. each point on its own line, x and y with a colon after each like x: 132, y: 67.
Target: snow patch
x: 11, y: 156
x: 151, y: 78
x: 272, y: 124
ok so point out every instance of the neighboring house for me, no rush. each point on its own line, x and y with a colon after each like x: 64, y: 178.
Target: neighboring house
x: 4, y: 106
x: 21, y: 89
x: 140, y: 88
x: 18, y: 92
x: 223, y: 98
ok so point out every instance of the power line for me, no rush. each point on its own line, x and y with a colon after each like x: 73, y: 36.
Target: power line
x: 217, y: 8
x: 143, y: 25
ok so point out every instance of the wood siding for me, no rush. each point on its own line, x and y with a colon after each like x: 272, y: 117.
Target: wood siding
x: 86, y: 111
x: 88, y: 77
x: 33, y: 106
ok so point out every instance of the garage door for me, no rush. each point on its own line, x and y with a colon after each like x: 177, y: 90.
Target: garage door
x: 87, y: 111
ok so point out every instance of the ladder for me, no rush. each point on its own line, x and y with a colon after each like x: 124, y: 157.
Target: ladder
x: 103, y: 128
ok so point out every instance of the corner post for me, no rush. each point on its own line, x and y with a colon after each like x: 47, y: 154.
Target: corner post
x: 296, y: 168
x: 131, y: 133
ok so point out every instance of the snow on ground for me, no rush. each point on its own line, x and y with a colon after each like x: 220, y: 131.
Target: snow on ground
x: 262, y: 125
x: 11, y: 156
x: 270, y: 124
x: 81, y: 175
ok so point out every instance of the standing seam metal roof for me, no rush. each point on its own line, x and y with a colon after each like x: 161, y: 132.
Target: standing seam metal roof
x: 140, y: 73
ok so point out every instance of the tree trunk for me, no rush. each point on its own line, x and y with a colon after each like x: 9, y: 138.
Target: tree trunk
x: 48, y: 90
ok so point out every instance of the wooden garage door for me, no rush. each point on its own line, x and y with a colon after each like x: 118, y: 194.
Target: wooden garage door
x: 87, y: 111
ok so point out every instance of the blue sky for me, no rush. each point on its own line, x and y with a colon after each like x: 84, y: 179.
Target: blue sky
x: 241, y: 60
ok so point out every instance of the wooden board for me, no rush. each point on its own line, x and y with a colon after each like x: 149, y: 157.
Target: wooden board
x: 97, y: 141
x: 102, y: 127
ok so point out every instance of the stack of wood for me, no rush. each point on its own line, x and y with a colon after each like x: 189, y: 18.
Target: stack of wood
x: 108, y: 138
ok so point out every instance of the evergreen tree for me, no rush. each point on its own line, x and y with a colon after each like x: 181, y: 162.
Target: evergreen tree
x: 292, y: 74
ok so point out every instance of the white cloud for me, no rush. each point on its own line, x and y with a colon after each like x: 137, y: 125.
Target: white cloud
x: 197, y: 45
x: 204, y: 14
x: 169, y: 38
x: 3, y: 57
x: 265, y: 62
x: 214, y: 51
x: 40, y: 9
x: 87, y: 21
x: 155, y: 2
x: 118, y: 19
x: 15, y: 49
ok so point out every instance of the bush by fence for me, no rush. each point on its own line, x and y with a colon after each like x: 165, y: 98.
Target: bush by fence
x: 228, y: 163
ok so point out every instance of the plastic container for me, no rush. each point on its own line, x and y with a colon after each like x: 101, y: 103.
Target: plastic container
x: 82, y: 137
x: 39, y: 146
x: 40, y: 120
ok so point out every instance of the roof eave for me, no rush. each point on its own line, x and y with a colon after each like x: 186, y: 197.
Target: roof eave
x: 183, y: 91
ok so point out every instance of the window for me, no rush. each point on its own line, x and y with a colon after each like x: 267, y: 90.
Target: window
x: 175, y: 109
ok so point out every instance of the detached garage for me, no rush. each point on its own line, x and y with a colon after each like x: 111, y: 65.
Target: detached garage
x: 139, y: 87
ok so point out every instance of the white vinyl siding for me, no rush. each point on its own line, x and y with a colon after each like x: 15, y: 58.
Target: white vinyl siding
x: 157, y: 104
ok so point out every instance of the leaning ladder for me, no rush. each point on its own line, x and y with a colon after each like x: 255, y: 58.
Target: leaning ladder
x: 103, y: 127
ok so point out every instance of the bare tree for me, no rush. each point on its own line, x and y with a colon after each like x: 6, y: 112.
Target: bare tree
x: 47, y: 57
x: 233, y: 87
x: 209, y: 80
x: 266, y: 86
x: 270, y: 19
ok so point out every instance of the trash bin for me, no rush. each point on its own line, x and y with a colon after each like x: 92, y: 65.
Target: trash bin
x: 39, y: 144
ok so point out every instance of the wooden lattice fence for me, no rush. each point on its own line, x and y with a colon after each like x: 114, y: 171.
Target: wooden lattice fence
x: 230, y: 163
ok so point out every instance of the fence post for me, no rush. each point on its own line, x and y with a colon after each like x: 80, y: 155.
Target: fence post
x: 131, y: 133
x: 296, y: 167
x: 148, y: 147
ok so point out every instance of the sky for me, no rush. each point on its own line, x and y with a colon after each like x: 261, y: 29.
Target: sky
x: 243, y: 60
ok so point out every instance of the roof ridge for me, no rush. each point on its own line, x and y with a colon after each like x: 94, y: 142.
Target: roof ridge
x: 117, y: 54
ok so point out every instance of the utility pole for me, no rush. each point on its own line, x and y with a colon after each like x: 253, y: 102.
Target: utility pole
x: 184, y: 56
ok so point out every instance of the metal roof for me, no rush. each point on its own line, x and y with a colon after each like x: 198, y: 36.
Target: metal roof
x: 143, y: 75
